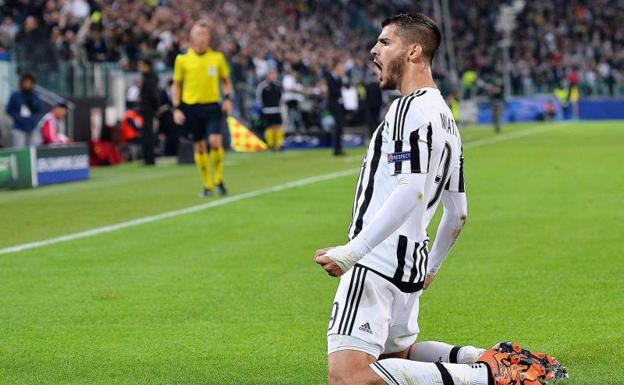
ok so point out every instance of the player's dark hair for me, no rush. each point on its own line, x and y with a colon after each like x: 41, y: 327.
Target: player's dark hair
x: 25, y: 77
x: 147, y: 61
x: 417, y: 28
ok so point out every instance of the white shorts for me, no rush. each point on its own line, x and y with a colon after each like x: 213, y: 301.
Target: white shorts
x: 370, y: 314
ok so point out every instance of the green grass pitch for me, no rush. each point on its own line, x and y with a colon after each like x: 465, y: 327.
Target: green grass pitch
x: 230, y: 295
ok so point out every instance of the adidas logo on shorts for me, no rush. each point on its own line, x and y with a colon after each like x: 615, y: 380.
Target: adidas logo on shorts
x: 366, y: 328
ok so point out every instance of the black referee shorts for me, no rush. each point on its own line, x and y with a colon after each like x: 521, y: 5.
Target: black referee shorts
x: 202, y: 120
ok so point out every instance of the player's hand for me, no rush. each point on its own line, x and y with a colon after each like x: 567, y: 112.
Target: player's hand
x: 226, y: 106
x: 428, y: 280
x: 178, y: 116
x: 327, y: 264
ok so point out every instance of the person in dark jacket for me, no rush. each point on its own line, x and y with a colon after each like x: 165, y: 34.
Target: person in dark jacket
x: 269, y: 96
x: 374, y: 101
x: 24, y: 108
x: 96, y: 47
x: 148, y: 105
x: 334, y: 83
x: 167, y: 129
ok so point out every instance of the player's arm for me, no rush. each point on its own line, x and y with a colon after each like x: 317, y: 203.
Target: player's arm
x: 410, y: 166
x: 176, y: 96
x: 450, y: 227
x: 452, y: 222
x: 176, y: 90
x: 226, y: 85
x: 403, y: 201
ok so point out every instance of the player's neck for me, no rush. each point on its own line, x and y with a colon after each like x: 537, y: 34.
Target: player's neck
x: 200, y: 50
x: 415, y: 78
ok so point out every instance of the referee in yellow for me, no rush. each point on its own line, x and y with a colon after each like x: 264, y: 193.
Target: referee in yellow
x: 198, y: 105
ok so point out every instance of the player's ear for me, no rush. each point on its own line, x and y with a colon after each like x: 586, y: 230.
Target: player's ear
x: 414, y: 52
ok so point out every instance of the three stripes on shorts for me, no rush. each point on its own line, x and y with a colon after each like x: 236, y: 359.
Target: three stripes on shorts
x: 354, y: 296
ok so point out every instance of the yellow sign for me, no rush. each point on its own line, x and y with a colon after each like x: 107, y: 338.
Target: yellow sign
x: 243, y: 140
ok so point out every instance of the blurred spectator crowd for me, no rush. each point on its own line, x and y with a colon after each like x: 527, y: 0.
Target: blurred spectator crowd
x: 555, y: 41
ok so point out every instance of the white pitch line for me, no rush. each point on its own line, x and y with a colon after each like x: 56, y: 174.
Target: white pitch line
x: 175, y: 213
x: 248, y: 195
x: 532, y: 130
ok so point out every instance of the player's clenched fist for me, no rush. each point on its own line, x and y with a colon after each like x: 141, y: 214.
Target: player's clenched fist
x: 320, y: 257
x: 337, y: 260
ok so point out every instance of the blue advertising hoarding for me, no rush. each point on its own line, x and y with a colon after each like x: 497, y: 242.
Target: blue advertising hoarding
x: 57, y: 164
x: 532, y: 109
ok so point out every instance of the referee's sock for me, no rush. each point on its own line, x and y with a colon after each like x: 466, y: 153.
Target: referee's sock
x: 202, y: 161
x: 217, y: 155
x: 433, y: 351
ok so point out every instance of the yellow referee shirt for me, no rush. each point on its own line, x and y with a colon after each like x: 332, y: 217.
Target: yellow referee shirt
x: 199, y: 75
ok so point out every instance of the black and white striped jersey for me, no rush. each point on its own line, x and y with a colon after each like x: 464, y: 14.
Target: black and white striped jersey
x: 418, y: 135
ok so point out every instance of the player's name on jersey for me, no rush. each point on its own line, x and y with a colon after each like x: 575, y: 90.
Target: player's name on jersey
x: 448, y: 124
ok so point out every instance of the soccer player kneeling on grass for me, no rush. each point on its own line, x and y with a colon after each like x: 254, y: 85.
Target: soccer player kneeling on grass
x: 414, y: 161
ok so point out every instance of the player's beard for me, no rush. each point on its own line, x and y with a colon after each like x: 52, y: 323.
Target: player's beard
x: 393, y: 74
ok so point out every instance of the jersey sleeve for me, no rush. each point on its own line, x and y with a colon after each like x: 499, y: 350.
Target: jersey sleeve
x: 178, y: 69
x: 410, y: 140
x: 456, y: 181
x: 223, y: 68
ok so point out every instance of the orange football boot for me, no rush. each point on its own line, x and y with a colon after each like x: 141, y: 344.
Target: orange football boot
x: 554, y: 369
x: 511, y: 369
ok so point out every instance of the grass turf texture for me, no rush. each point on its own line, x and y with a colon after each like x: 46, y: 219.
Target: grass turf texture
x: 230, y: 295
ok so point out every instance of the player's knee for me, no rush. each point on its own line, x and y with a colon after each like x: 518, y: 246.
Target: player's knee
x: 199, y: 147
x: 215, y: 142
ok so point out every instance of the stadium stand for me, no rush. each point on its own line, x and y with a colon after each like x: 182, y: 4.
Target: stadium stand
x: 551, y: 39
x: 556, y: 44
